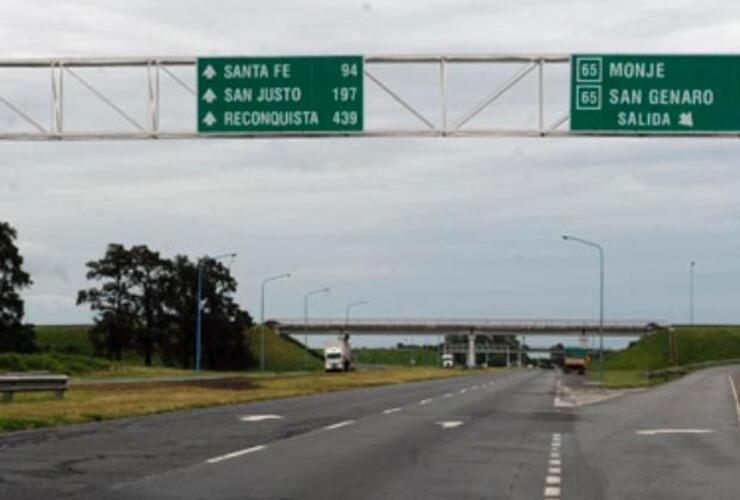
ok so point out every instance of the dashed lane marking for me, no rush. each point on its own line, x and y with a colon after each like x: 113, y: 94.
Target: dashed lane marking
x: 235, y: 454
x: 425, y: 401
x: 463, y: 391
x: 391, y: 410
x: 552, y: 492
x: 553, y: 479
x: 655, y: 432
x: 260, y: 418
x: 339, y: 425
x: 450, y: 424
x: 448, y: 395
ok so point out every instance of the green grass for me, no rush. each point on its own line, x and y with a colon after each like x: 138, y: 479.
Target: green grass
x: 65, y: 339
x: 696, y: 344
x: 56, y: 363
x: 395, y: 357
x: 281, y: 353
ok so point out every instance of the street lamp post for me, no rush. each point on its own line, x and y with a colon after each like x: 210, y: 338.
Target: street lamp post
x: 600, y: 249
x: 349, y: 307
x: 199, y: 306
x: 262, y: 315
x: 305, y: 321
x: 691, y: 292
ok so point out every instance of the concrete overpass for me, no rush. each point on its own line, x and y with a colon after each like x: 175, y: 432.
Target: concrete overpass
x: 468, y: 327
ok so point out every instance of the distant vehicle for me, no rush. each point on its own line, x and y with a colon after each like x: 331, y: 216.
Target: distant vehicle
x: 448, y: 361
x: 338, y: 355
x: 576, y: 359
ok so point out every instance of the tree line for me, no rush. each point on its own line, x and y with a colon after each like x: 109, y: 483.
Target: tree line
x: 146, y: 302
x: 141, y: 301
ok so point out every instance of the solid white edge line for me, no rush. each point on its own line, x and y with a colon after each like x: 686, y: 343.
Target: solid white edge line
x: 737, y: 399
x: 339, y: 424
x: 236, y: 454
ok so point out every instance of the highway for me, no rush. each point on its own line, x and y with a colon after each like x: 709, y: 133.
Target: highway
x: 496, y: 435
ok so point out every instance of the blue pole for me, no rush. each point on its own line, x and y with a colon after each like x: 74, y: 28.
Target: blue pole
x: 198, y: 308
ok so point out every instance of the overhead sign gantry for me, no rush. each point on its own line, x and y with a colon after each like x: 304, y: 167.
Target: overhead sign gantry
x: 371, y: 96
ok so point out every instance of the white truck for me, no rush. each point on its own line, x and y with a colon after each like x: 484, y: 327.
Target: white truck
x: 448, y: 360
x: 338, y: 355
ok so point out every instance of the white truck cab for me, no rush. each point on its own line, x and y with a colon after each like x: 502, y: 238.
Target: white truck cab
x: 448, y: 361
x: 338, y: 355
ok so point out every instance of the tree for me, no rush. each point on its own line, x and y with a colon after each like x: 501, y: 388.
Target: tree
x: 148, y: 277
x: 14, y: 336
x: 113, y: 302
x: 224, y: 324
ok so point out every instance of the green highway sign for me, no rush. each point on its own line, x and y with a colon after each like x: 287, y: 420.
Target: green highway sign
x: 630, y: 93
x: 280, y: 94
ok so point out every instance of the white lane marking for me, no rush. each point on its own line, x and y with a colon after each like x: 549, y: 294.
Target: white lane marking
x: 339, y: 424
x: 448, y: 395
x: 552, y: 492
x: 450, y: 424
x: 474, y: 388
x: 555, y: 455
x: 654, y: 432
x: 463, y: 391
x: 260, y: 418
x: 554, y: 470
x: 557, y: 435
x: 391, y: 410
x: 235, y: 454
x: 552, y: 480
x: 555, y: 462
x: 425, y: 401
x: 556, y: 444
x: 737, y: 399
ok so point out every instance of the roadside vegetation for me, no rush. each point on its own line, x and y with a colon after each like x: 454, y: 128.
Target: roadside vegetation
x: 695, y: 347
x: 103, y: 401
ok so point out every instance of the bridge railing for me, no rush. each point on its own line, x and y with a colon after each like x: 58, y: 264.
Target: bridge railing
x: 472, y: 323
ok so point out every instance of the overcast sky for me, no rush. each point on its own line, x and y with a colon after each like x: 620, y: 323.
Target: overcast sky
x: 418, y: 227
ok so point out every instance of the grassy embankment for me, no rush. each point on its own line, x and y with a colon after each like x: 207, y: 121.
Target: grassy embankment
x: 696, y: 344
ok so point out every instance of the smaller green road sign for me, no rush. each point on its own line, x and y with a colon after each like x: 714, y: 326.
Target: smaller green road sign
x: 655, y: 94
x: 280, y: 94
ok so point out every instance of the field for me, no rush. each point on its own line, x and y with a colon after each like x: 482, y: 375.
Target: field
x: 395, y: 357
x: 105, y: 401
x: 695, y: 344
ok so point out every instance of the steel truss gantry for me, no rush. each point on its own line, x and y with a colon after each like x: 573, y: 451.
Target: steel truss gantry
x: 64, y: 72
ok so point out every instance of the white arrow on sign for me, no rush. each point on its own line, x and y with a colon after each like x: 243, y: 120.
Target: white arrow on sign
x: 209, y: 119
x: 209, y: 96
x: 209, y: 72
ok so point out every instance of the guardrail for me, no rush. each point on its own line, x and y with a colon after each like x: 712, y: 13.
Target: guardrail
x: 12, y: 383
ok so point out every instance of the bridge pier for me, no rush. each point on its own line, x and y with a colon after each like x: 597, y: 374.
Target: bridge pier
x: 470, y: 361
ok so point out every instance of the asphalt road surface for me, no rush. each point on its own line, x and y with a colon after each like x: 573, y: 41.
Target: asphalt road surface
x: 488, y: 436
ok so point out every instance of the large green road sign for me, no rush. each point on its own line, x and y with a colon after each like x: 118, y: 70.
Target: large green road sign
x: 655, y: 93
x: 280, y: 94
